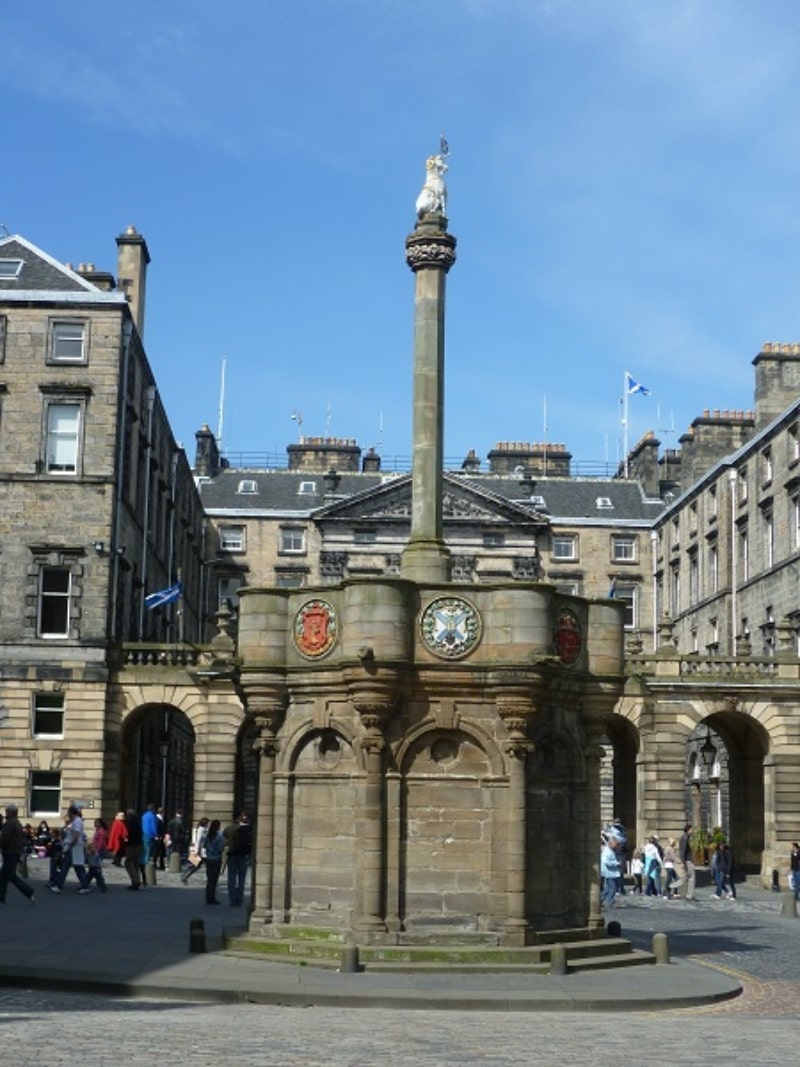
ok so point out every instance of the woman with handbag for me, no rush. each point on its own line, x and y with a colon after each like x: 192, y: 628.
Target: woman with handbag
x: 197, y: 850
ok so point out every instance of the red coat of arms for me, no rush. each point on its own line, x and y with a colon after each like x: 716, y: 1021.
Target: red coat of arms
x: 315, y: 628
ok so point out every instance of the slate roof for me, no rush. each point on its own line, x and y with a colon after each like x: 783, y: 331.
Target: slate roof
x: 565, y: 499
x: 41, y: 274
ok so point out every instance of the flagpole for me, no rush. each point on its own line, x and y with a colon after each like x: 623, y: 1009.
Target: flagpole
x: 625, y: 424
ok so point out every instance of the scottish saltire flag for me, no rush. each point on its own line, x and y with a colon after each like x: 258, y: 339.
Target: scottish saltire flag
x: 165, y: 596
x: 635, y: 387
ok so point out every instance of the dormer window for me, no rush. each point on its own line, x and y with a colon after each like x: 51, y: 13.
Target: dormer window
x: 307, y: 489
x: 538, y: 502
x: 10, y: 268
x: 604, y: 503
x: 247, y: 485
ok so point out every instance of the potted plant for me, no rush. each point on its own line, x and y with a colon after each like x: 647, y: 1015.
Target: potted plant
x: 698, y: 842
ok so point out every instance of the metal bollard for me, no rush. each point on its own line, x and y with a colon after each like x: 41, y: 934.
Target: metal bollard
x: 613, y: 929
x: 197, y: 935
x: 558, y: 959
x: 789, y: 906
x: 661, y: 948
x: 776, y: 881
x: 175, y: 863
x: 350, y: 962
x: 150, y: 874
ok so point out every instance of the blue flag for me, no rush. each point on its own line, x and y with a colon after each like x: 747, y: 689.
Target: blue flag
x: 165, y: 596
x: 635, y: 387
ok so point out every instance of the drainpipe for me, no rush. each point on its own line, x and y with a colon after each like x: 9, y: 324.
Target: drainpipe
x: 654, y: 553
x: 732, y: 477
x: 150, y: 403
x: 116, y: 547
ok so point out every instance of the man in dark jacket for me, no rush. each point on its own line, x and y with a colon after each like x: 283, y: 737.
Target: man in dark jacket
x: 134, y: 849
x: 687, y: 859
x: 12, y: 844
x: 239, y: 846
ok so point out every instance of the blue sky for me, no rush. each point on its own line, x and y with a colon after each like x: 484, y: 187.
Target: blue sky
x: 623, y: 184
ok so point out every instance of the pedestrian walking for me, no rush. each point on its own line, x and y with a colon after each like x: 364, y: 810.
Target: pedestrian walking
x: 794, y: 869
x: 609, y: 872
x: 74, y: 852
x: 133, y: 849
x: 673, y: 882
x: 686, y: 857
x: 214, y: 847
x: 727, y: 871
x: 652, y: 867
x: 117, y: 837
x: 197, y: 850
x: 12, y: 845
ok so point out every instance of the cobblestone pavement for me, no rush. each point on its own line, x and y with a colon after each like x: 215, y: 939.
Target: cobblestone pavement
x: 60, y: 1029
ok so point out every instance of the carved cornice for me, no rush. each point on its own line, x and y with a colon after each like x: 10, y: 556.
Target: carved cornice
x: 426, y: 251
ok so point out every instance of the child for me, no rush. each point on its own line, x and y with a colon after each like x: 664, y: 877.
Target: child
x: 94, y: 855
x: 637, y: 867
x: 55, y: 852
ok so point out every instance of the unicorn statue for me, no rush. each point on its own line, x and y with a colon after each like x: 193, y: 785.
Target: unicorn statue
x: 433, y: 197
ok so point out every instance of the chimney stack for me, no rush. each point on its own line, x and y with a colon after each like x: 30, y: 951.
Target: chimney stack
x: 132, y: 260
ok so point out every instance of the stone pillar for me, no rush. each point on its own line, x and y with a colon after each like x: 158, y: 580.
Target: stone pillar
x: 263, y: 871
x: 369, y: 916
x: 515, y: 705
x: 266, y: 701
x: 430, y: 253
x: 592, y: 755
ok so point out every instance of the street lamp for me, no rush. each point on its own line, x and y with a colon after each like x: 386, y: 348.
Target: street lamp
x: 163, y: 748
x: 708, y: 754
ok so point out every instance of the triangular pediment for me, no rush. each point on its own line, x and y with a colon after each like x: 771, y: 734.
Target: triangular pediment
x: 461, y: 501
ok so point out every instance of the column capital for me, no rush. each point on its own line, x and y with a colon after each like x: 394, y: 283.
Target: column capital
x: 430, y: 249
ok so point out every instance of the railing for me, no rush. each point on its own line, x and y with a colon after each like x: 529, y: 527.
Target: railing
x: 707, y: 668
x: 145, y: 654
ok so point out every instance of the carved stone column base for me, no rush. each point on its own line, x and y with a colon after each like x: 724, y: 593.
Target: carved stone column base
x: 515, y: 933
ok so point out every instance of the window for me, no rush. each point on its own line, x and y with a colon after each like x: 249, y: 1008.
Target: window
x: 48, y: 715
x: 63, y: 430
x: 694, y: 577
x: 604, y: 503
x: 55, y: 588
x: 539, y: 503
x: 794, y: 520
x: 228, y: 587
x: 45, y: 794
x: 713, y: 567
x: 744, y: 554
x: 10, y: 268
x: 675, y: 590
x: 368, y: 537
x: 570, y: 588
x: 307, y: 489
x: 623, y: 548
x: 564, y: 546
x: 794, y: 444
x: 766, y: 466
x: 493, y: 540
x: 293, y: 539
x: 628, y: 594
x: 712, y: 503
x: 68, y: 342
x: 742, y: 484
x: 247, y: 485
x: 676, y: 533
x: 768, y: 529
x: 232, y: 538
x: 693, y: 517
x: 289, y: 579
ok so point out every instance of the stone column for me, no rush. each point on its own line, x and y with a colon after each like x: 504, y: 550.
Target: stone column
x: 514, y: 699
x: 430, y: 253
x: 592, y: 756
x: 263, y: 870
x: 369, y: 916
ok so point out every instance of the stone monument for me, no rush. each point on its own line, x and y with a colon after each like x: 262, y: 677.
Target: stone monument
x: 429, y: 751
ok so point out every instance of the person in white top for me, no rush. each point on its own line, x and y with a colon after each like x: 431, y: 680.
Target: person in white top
x: 74, y: 854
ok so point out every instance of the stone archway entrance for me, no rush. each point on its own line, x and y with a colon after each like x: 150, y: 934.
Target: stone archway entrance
x: 158, y: 760
x: 725, y: 782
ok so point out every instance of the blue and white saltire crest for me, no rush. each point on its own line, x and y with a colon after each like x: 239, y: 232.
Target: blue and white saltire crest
x: 163, y: 596
x: 635, y: 387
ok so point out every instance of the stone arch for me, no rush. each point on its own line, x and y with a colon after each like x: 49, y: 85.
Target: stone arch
x: 157, y: 745
x: 449, y: 817
x: 321, y: 782
x: 618, y: 771
x: 479, y: 737
x: 735, y: 779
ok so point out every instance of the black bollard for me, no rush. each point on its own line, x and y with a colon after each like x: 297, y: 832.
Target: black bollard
x: 613, y: 929
x: 197, y: 935
x: 776, y: 882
